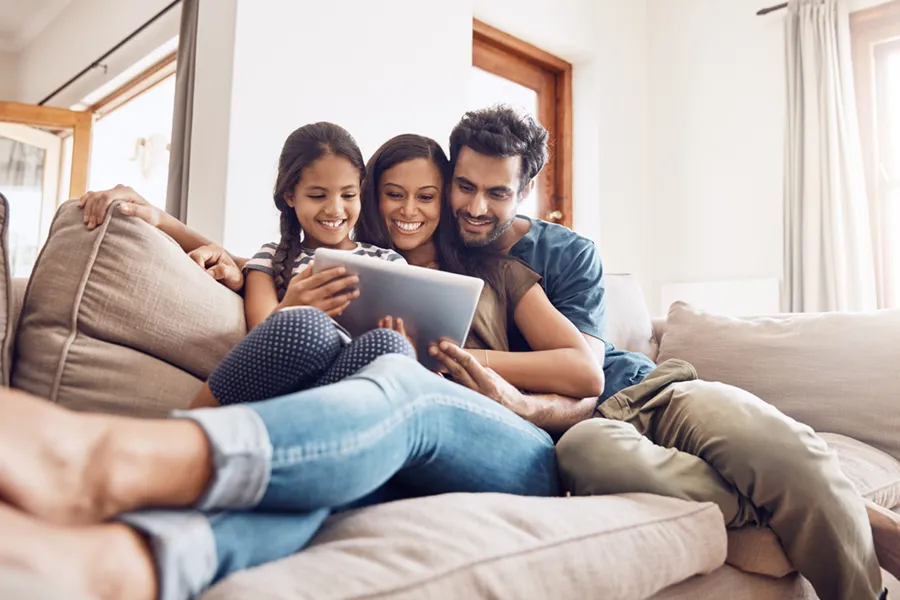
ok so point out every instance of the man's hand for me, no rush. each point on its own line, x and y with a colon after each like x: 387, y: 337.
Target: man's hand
x: 96, y: 204
x: 465, y: 370
x: 213, y: 259
x: 327, y: 290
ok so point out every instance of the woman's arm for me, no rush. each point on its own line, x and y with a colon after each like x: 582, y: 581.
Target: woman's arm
x: 96, y: 204
x: 561, y: 361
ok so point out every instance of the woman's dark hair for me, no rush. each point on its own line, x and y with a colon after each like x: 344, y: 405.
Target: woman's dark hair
x: 302, y: 148
x: 452, y: 255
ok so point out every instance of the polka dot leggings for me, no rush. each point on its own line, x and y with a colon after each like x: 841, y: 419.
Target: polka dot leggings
x: 294, y: 350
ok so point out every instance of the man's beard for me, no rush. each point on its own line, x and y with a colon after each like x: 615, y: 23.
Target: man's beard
x: 472, y: 240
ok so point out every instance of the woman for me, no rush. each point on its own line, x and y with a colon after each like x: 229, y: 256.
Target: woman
x: 403, y: 208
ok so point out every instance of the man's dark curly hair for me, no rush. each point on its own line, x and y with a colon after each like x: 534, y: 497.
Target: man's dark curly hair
x: 500, y: 131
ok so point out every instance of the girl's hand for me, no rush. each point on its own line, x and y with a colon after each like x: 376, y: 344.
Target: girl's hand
x: 96, y: 204
x: 326, y: 291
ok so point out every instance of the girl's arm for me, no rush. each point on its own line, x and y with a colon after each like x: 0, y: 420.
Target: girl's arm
x: 331, y: 291
x: 561, y: 361
x: 260, y: 297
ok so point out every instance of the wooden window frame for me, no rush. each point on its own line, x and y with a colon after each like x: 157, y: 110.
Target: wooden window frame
x: 871, y: 30
x: 551, y: 77
x: 79, y: 122
x: 134, y: 87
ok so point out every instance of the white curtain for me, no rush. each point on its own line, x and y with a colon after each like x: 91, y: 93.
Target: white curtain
x: 829, y: 262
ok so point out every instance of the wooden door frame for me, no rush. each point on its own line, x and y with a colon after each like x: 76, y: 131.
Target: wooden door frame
x: 551, y: 77
x: 80, y: 122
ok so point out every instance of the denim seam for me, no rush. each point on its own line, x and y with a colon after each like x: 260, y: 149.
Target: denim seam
x: 287, y: 456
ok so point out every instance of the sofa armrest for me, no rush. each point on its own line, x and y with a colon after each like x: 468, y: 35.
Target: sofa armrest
x: 119, y: 319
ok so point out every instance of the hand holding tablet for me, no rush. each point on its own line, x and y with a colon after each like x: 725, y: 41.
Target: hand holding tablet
x: 433, y: 305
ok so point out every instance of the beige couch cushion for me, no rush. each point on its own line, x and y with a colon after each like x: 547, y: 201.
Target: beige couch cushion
x: 6, y: 296
x: 496, y: 546
x: 628, y: 323
x: 119, y: 319
x: 835, y: 372
x: 17, y: 585
x: 730, y: 584
x: 875, y: 474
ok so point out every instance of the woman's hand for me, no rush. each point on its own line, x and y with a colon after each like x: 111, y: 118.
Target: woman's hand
x: 467, y: 371
x: 213, y: 259
x: 326, y: 290
x: 96, y: 204
x: 397, y: 325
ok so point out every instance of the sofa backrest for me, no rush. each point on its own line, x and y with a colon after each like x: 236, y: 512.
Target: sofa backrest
x: 836, y: 372
x: 628, y: 323
x: 120, y: 320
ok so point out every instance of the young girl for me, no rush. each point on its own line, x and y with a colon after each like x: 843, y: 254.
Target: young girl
x: 293, y: 343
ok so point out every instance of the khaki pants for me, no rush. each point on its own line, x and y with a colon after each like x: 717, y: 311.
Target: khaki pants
x: 674, y: 435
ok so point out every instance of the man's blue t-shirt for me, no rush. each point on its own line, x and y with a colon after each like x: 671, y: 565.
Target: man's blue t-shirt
x: 572, y: 277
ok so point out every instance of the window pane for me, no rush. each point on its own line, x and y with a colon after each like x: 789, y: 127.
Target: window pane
x: 894, y: 241
x: 893, y: 105
x: 131, y: 144
x: 487, y: 89
x: 22, y: 181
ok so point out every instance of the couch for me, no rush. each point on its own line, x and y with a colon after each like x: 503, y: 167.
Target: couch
x: 119, y: 320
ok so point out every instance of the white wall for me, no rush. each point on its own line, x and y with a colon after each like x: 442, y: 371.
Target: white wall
x: 210, y: 132
x: 716, y: 141
x: 376, y: 68
x: 606, y: 42
x: 717, y: 107
x: 81, y: 33
x: 9, y: 73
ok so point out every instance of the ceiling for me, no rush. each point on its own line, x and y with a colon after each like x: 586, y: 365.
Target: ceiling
x: 22, y: 20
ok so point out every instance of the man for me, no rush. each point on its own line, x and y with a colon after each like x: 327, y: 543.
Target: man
x: 662, y: 431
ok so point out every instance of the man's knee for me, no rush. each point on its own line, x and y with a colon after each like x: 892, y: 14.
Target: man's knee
x: 748, y: 435
x: 594, y: 459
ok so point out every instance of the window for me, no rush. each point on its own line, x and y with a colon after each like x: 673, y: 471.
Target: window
x: 32, y: 167
x: 132, y: 132
x: 509, y: 71
x: 876, y: 59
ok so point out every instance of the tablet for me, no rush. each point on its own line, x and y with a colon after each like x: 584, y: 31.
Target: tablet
x: 433, y: 304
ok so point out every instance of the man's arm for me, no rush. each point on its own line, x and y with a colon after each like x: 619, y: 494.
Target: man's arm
x: 553, y: 413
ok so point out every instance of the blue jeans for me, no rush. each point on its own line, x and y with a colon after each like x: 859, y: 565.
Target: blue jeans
x: 282, y: 466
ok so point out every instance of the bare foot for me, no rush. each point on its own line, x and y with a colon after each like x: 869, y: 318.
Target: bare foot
x: 107, y: 562
x: 886, y: 531
x: 68, y: 467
